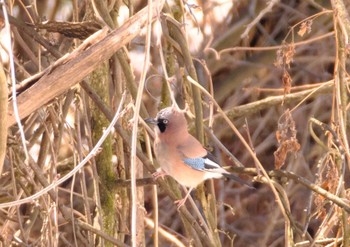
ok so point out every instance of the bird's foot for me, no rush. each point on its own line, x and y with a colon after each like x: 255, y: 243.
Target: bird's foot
x: 159, y: 174
x: 180, y: 203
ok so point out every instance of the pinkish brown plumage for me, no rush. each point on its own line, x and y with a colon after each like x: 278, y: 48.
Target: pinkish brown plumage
x: 180, y: 155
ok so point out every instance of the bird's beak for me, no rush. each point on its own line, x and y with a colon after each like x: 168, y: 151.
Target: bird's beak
x: 150, y: 120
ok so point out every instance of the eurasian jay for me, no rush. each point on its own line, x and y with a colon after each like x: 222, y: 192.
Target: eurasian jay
x: 182, y: 156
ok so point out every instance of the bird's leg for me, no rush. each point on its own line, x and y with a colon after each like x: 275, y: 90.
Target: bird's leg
x: 159, y: 174
x: 181, y: 202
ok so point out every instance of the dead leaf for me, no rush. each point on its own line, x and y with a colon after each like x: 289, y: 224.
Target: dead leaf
x: 287, y: 82
x: 288, y: 146
x: 305, y: 27
x: 284, y: 56
x: 286, y: 138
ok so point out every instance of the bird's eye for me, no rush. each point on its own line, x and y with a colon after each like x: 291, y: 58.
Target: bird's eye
x: 162, y: 124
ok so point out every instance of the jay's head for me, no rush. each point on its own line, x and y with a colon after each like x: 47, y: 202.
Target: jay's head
x: 169, y: 121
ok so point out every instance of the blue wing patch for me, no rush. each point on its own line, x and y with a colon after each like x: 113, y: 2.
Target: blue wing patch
x: 195, y: 163
x: 203, y: 164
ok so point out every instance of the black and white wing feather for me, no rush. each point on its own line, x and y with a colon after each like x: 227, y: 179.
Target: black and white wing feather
x: 209, y: 164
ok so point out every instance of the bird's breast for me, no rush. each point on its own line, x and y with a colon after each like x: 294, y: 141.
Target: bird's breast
x: 172, y: 163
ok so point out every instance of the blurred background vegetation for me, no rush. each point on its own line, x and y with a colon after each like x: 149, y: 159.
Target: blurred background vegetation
x: 278, y: 69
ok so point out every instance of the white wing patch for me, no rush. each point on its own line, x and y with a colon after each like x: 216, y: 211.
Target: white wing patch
x: 214, y: 170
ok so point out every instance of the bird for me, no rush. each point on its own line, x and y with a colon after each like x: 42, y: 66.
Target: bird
x: 181, y: 155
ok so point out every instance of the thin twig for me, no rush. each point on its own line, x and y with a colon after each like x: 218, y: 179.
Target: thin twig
x: 146, y: 62
x: 90, y: 228
x: 246, y: 145
x: 167, y: 235
x: 3, y: 116
x: 259, y: 17
x: 268, y: 48
x: 91, y: 154
x: 8, y: 42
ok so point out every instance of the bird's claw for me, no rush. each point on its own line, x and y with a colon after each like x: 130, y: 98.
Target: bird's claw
x: 180, y: 203
x: 158, y: 174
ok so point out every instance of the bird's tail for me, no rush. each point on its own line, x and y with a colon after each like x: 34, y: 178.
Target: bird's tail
x: 238, y: 180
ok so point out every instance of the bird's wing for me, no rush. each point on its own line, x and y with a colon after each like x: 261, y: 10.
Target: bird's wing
x: 190, y: 147
x: 205, y: 163
x: 195, y: 156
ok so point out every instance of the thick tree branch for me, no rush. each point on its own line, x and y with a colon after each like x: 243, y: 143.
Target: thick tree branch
x: 63, y: 74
